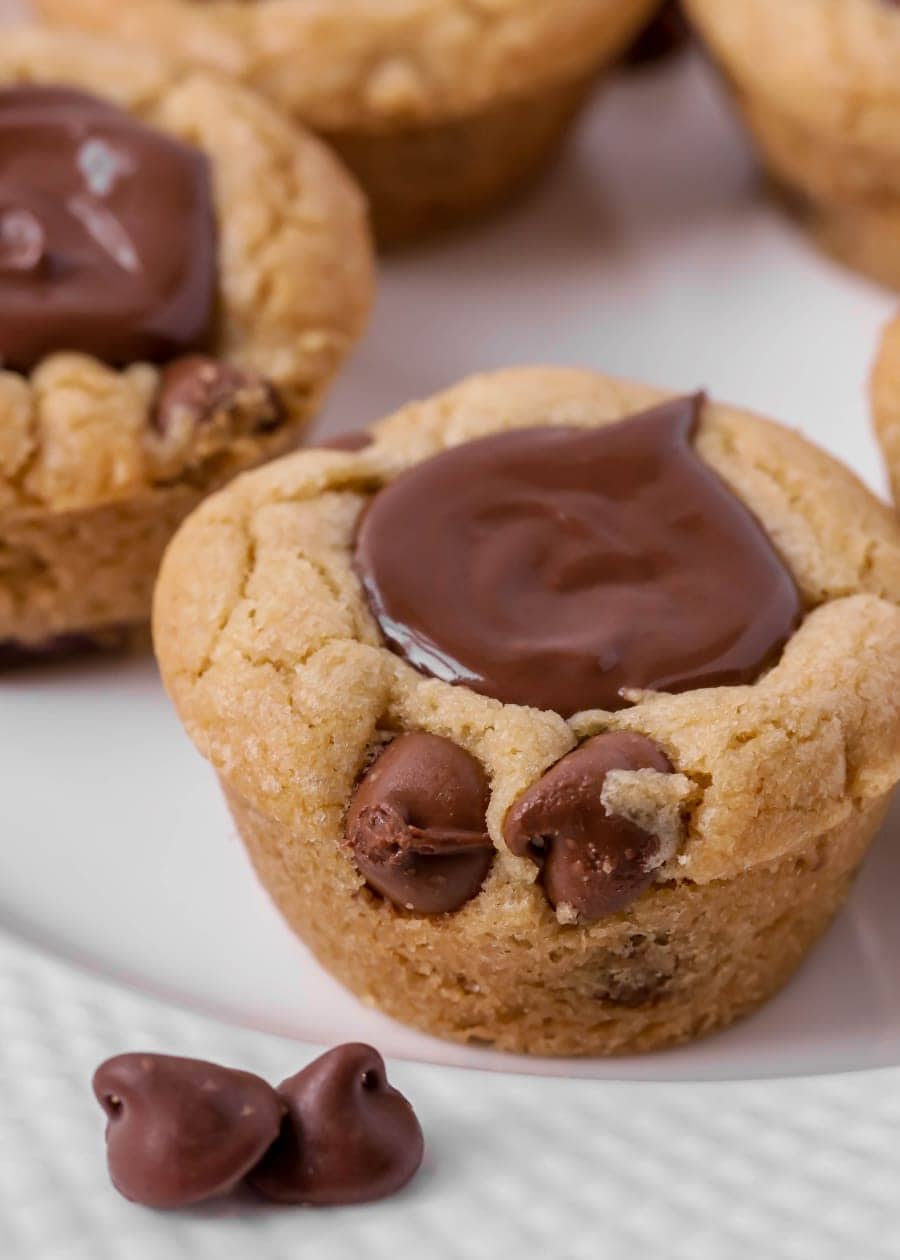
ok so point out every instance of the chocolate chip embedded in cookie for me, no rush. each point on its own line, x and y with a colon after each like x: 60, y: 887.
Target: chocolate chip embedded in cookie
x: 612, y: 633
x: 181, y: 1130
x: 202, y: 404
x: 348, y: 1137
x: 197, y: 390
x: 416, y: 826
x: 153, y: 341
x: 593, y: 862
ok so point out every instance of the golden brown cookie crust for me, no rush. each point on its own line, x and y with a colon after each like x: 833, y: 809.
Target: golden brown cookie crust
x: 374, y: 64
x: 828, y: 64
x: 683, y: 963
x: 275, y: 663
x: 443, y: 109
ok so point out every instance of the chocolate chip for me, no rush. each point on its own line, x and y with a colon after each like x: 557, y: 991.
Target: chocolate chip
x: 347, y: 1137
x: 181, y: 1130
x: 667, y: 34
x: 107, y: 233
x: 356, y: 440
x: 592, y: 863
x: 197, y: 390
x: 416, y: 825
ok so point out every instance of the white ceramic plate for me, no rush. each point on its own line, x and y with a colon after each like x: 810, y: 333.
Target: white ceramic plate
x: 650, y: 253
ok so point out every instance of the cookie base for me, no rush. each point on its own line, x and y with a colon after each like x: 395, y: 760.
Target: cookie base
x: 423, y: 180
x: 110, y: 640
x: 82, y: 572
x: 865, y: 238
x: 685, y: 961
x: 845, y: 195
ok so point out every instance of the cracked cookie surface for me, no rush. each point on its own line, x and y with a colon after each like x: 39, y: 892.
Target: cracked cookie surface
x: 278, y: 669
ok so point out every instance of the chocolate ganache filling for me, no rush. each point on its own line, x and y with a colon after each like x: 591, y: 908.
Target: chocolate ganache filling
x: 107, y: 233
x: 560, y: 567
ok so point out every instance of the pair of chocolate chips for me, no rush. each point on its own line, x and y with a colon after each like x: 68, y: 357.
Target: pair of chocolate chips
x: 181, y: 1131
x: 417, y: 829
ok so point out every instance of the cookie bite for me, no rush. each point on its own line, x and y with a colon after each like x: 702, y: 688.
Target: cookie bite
x: 182, y: 272
x: 817, y: 83
x: 560, y: 716
x: 441, y: 108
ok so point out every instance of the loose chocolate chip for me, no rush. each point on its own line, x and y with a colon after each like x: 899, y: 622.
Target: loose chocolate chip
x: 196, y: 390
x: 563, y: 567
x: 667, y: 34
x: 347, y: 1137
x: 107, y: 233
x: 181, y: 1130
x: 354, y: 441
x: 416, y: 824
x: 592, y: 863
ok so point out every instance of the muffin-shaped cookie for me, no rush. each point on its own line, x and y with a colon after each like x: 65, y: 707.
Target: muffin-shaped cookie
x: 182, y: 271
x: 817, y: 80
x: 442, y: 108
x: 560, y: 715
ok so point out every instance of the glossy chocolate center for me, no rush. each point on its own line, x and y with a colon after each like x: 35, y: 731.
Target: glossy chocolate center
x: 559, y: 567
x: 107, y: 234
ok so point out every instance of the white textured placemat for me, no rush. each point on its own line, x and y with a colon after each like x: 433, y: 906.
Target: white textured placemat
x: 516, y: 1166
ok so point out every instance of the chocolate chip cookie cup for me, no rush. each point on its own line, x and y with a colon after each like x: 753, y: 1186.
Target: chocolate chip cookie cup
x: 557, y: 717
x: 441, y: 108
x: 182, y: 272
x: 817, y: 82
